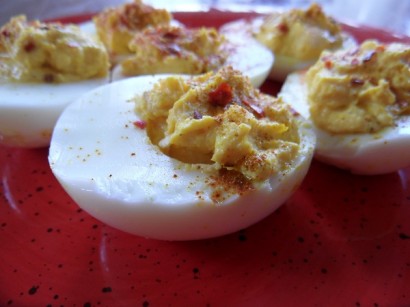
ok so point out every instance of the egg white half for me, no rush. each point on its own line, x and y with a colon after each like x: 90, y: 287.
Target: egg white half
x: 283, y: 65
x: 383, y: 152
x: 29, y: 111
x: 247, y: 56
x: 110, y: 168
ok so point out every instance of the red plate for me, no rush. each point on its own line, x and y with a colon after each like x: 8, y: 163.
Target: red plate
x: 341, y: 240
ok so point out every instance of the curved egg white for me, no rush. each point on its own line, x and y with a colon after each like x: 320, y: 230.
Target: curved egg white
x: 29, y: 111
x: 110, y: 168
x: 368, y: 154
x: 247, y: 56
x: 88, y: 27
x: 283, y: 65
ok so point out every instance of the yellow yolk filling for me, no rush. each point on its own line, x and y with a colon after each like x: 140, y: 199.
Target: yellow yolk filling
x: 361, y: 90
x: 117, y: 26
x: 220, y: 119
x: 40, y: 52
x: 300, y: 34
x: 175, y: 50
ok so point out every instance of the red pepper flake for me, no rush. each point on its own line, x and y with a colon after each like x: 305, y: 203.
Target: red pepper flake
x: 140, y: 124
x: 5, y: 33
x: 256, y: 110
x: 283, y: 27
x: 171, y: 35
x: 197, y: 114
x: 328, y: 64
x: 30, y: 46
x: 356, y: 81
x: 221, y: 96
x: 380, y: 48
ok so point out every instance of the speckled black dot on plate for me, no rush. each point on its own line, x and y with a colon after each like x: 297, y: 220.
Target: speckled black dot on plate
x: 338, y: 234
x: 33, y: 290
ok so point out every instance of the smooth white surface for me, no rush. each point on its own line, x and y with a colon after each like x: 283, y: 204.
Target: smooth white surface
x: 113, y: 172
x: 368, y: 154
x: 28, y: 112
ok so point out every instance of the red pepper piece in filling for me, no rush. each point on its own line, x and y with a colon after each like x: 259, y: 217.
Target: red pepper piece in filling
x: 255, y: 109
x: 283, y: 27
x: 5, y: 33
x: 327, y: 62
x: 30, y: 46
x: 221, y: 96
x: 140, y: 124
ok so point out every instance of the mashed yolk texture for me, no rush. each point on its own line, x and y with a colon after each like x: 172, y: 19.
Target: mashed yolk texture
x: 117, y: 26
x: 300, y: 34
x: 175, y: 49
x: 361, y: 90
x: 220, y: 119
x: 41, y: 52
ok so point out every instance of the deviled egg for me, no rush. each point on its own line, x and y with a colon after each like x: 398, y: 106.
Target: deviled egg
x: 359, y: 103
x: 180, y: 158
x: 144, y: 40
x: 116, y: 26
x: 43, y: 67
x: 170, y: 49
x: 296, y: 37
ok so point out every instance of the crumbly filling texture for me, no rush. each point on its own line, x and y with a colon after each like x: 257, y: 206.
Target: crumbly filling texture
x: 220, y: 119
x: 169, y: 49
x: 49, y: 52
x: 361, y: 90
x: 300, y: 34
x: 116, y: 26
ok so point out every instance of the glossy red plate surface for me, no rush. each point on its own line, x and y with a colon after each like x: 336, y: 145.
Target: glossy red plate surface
x: 341, y: 240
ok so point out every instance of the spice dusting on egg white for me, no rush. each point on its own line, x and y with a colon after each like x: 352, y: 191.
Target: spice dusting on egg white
x: 358, y: 101
x: 215, y: 155
x: 221, y: 124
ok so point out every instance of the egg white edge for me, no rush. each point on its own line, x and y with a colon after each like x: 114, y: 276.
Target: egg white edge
x: 283, y: 65
x: 29, y: 111
x: 168, y: 214
x: 366, y: 154
x: 241, y: 57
